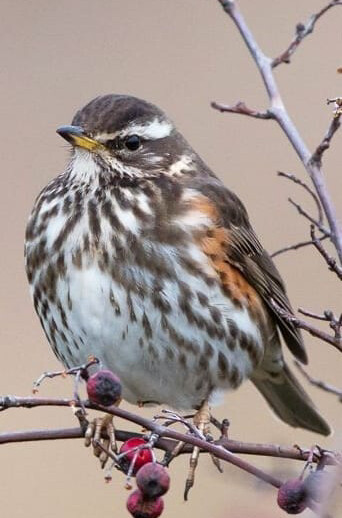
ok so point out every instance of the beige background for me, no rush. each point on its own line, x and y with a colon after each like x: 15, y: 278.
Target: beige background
x: 55, y: 56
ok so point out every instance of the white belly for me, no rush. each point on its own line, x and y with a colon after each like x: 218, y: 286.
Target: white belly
x: 159, y: 356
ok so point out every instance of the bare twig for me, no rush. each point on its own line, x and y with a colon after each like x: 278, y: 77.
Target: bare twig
x: 162, y: 431
x: 302, y: 30
x: 325, y: 144
x: 331, y: 262
x: 296, y: 246
x: 279, y: 113
x: 237, y: 447
x: 318, y: 383
x: 308, y: 189
x: 314, y: 331
x: 241, y: 109
x: 311, y: 314
x: 306, y: 215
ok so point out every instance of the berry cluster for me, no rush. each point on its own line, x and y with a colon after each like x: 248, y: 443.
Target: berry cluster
x: 153, y: 481
x: 136, y: 456
x: 137, y: 459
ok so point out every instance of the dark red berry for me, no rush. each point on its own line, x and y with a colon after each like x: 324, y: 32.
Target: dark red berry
x: 153, y: 480
x: 143, y: 455
x: 104, y: 388
x: 293, y: 496
x: 317, y: 485
x: 142, y: 508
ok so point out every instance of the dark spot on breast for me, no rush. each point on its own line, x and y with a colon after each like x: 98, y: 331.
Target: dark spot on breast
x: 222, y: 363
x: 132, y: 314
x: 208, y: 349
x: 94, y: 221
x: 67, y: 228
x: 114, y: 303
x: 147, y: 326
x: 203, y: 299
x: 215, y: 314
x: 77, y: 258
x: 107, y: 211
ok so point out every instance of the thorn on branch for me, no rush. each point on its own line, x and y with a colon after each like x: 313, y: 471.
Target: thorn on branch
x: 302, y: 30
x: 241, y: 109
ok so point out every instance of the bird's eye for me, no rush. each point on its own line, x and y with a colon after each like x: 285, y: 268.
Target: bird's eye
x: 133, y: 142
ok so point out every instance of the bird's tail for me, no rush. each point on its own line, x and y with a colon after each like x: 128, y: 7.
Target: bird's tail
x: 289, y: 400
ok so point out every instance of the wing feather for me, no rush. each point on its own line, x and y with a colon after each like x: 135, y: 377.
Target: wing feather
x: 246, y: 253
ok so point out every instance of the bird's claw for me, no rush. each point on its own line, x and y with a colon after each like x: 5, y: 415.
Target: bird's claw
x: 102, y: 447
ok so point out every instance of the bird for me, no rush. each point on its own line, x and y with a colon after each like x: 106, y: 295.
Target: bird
x: 139, y: 255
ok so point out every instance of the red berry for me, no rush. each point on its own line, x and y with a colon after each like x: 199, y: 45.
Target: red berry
x: 141, y: 508
x: 293, y: 496
x: 153, y: 480
x: 143, y: 455
x: 104, y: 388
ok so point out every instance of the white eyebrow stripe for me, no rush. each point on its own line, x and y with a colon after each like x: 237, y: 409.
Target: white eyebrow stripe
x: 153, y: 130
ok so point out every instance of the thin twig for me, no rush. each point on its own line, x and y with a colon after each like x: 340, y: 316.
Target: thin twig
x: 308, y: 189
x: 325, y: 144
x: 302, y: 30
x: 331, y: 262
x: 296, y: 246
x: 332, y: 340
x: 318, y: 383
x: 241, y: 109
x: 311, y: 314
x: 280, y: 114
x: 238, y: 447
x: 306, y: 215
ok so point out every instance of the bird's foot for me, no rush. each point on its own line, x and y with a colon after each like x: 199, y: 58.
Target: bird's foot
x: 103, y: 447
x: 202, y: 423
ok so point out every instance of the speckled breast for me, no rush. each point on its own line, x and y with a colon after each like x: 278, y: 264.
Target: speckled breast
x: 128, y: 275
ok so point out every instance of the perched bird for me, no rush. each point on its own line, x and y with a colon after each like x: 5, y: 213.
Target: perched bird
x: 139, y: 255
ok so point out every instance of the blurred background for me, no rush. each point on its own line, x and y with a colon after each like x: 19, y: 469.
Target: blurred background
x: 55, y: 57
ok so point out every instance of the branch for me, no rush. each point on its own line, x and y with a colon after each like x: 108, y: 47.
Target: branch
x: 296, y: 246
x: 302, y: 30
x: 331, y: 262
x: 308, y: 189
x: 162, y: 431
x: 318, y: 383
x: 325, y: 144
x: 223, y: 449
x: 334, y: 322
x: 278, y: 112
x: 241, y: 109
x: 168, y: 445
x: 303, y: 212
x: 301, y: 324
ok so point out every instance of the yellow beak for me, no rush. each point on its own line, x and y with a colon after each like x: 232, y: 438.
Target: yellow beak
x: 77, y: 137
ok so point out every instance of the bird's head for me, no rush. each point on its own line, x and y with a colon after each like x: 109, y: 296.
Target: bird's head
x: 127, y: 138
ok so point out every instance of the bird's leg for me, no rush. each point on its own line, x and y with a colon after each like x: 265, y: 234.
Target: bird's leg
x: 202, y: 423
x: 101, y: 426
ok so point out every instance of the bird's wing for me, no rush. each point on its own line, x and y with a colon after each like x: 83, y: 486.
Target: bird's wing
x: 244, y: 251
